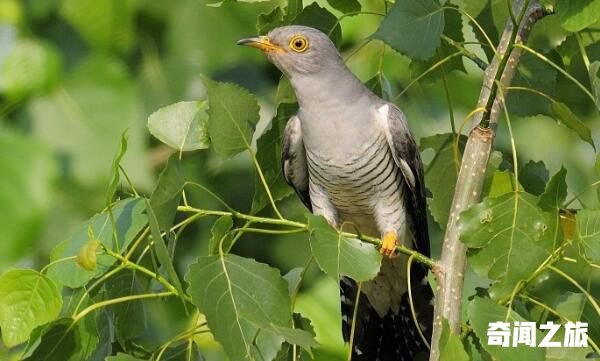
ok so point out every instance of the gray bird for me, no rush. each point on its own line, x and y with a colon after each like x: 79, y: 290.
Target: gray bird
x: 351, y: 157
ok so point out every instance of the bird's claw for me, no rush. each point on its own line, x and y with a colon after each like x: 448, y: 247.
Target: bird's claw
x: 388, y: 244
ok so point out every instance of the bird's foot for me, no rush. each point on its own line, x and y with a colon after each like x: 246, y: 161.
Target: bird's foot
x: 388, y: 244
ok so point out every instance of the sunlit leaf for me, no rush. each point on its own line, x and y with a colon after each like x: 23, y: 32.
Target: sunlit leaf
x: 588, y: 233
x: 31, y: 66
x: 26, y: 189
x: 293, y: 9
x: 182, y: 126
x: 413, y: 27
x: 569, y: 119
x: 577, y: 15
x: 268, y: 154
x: 482, y: 312
x: 509, y: 237
x: 27, y: 299
x: 451, y: 347
x: 341, y: 256
x: 441, y: 173
x: 234, y: 293
x: 105, y: 25
x: 129, y: 220
x: 233, y: 114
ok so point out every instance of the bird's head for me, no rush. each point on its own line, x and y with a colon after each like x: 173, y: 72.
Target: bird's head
x: 297, y: 50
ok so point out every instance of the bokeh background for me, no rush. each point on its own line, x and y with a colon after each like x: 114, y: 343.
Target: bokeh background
x: 75, y: 73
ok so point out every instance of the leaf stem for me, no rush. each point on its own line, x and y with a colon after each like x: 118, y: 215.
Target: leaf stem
x: 284, y: 222
x: 466, y: 52
x: 118, y: 300
x: 60, y: 260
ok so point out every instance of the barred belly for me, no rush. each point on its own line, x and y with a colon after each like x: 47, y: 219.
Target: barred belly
x: 365, y: 188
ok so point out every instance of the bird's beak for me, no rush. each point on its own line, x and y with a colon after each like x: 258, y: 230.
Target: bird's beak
x: 260, y: 42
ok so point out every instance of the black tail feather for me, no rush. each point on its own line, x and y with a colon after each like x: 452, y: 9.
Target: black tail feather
x: 393, y: 337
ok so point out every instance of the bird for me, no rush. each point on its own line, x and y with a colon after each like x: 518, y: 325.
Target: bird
x: 351, y: 158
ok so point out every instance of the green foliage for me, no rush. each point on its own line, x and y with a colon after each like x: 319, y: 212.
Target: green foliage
x: 577, y: 15
x: 183, y: 125
x: 482, y: 312
x: 413, y: 28
x: 588, y: 231
x: 129, y: 221
x: 27, y: 299
x: 451, y: 347
x: 339, y: 255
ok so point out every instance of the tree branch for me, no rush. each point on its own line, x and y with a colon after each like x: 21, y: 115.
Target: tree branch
x: 500, y: 72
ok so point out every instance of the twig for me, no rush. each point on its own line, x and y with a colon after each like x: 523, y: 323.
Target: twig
x: 467, y: 53
x: 451, y: 268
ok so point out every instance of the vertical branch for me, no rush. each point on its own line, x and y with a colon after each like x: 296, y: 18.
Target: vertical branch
x: 500, y: 72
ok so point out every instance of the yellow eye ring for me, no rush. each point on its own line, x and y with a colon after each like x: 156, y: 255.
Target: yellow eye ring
x: 298, y: 43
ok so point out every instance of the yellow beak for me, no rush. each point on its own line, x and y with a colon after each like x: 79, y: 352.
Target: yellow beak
x: 260, y: 42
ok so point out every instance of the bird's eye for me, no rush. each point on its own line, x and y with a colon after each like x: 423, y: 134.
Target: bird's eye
x: 298, y: 43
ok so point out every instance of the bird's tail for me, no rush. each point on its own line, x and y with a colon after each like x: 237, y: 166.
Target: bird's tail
x: 393, y: 337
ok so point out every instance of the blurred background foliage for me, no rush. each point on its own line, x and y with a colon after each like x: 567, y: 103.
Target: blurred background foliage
x: 75, y: 73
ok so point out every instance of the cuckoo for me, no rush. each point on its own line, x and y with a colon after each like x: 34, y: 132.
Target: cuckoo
x: 350, y: 156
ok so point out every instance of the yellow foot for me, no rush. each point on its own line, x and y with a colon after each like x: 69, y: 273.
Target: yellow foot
x: 388, y: 244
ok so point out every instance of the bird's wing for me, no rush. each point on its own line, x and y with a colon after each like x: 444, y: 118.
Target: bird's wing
x: 408, y: 159
x: 293, y: 160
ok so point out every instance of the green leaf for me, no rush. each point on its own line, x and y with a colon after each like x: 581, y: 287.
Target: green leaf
x: 129, y: 219
x: 509, y: 237
x: 556, y: 191
x: 576, y: 307
x: 413, y: 27
x: 588, y: 234
x: 31, y: 66
x: 533, y: 176
x: 486, y: 20
x: 182, y: 126
x: 595, y: 80
x: 502, y: 182
x: 27, y: 299
x: 451, y: 347
x: 26, y: 188
x: 547, y: 34
x: 167, y: 194
x: 568, y: 118
x: 441, y: 174
x: 319, y: 18
x: 293, y: 9
x: 268, y: 155
x: 105, y: 25
x: 180, y: 353
x: 294, y: 278
x: 474, y: 7
x: 233, y: 114
x: 597, y: 165
x: 453, y: 30
x: 234, y: 293
x: 127, y: 283
x: 380, y: 86
x: 161, y: 250
x: 123, y: 357
x: 577, y: 15
x: 338, y: 255
x: 59, y: 341
x: 482, y: 312
x: 535, y: 74
x: 269, y: 21
x: 219, y: 229
x: 96, y: 102
x: 294, y: 336
x: 115, y: 172
x: 285, y: 92
x: 345, y: 6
